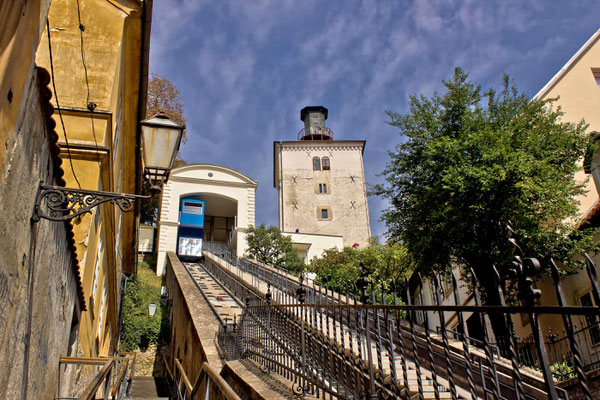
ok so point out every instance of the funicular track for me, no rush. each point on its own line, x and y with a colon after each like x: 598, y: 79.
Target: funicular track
x: 335, y: 359
x: 226, y: 306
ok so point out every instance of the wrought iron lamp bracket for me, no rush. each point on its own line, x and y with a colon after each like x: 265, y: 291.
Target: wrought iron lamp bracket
x: 64, y: 204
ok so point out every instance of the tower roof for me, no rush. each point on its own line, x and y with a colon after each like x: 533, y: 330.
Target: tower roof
x: 308, y: 109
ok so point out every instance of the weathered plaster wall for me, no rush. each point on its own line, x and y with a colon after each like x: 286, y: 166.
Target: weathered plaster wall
x: 193, y: 324
x: 38, y: 285
x: 22, y: 24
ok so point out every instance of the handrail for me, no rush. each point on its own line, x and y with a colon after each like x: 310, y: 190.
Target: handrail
x: 90, y: 391
x: 131, y: 373
x: 88, y: 360
x: 186, y: 381
x: 208, y: 371
x: 119, y: 381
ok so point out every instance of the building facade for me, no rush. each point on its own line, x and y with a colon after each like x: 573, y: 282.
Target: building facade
x: 40, y: 282
x: 73, y: 78
x: 229, y: 197
x: 97, y: 51
x: 321, y: 187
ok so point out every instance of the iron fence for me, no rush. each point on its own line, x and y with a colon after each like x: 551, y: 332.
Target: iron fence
x: 336, y: 346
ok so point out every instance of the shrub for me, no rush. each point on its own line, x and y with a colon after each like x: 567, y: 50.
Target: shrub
x: 138, y: 329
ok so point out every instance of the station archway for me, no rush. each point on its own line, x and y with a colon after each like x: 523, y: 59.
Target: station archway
x: 229, y: 198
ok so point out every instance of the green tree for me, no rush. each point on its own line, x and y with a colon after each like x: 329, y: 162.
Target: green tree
x: 270, y: 246
x: 470, y: 163
x: 162, y: 96
x: 385, y: 264
x: 337, y: 269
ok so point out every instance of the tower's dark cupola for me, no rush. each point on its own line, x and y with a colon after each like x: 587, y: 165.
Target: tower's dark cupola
x: 314, y: 124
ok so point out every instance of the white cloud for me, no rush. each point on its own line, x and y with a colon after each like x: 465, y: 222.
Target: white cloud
x: 247, y: 67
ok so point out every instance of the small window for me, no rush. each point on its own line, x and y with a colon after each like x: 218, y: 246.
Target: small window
x: 324, y: 214
x: 326, y: 166
x: 322, y: 188
x: 316, y: 164
x: 97, y: 269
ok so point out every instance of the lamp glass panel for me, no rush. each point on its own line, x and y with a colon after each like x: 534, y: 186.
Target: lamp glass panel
x: 159, y: 146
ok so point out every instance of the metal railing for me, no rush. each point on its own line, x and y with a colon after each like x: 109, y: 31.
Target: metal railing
x: 560, y: 356
x: 315, y: 132
x: 336, y: 346
x: 111, y: 381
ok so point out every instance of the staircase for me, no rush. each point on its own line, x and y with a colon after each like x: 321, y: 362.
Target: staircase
x: 148, y: 388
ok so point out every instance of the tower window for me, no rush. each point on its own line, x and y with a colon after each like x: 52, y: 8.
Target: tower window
x: 322, y: 188
x: 326, y: 164
x: 316, y: 164
x: 323, y: 214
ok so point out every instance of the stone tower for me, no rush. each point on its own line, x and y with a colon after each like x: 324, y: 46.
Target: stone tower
x: 321, y: 185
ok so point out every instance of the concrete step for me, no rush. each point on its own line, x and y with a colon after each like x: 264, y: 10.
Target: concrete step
x: 148, y: 388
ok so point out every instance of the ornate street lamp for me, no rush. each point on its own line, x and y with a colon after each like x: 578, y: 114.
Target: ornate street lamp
x: 159, y: 134
x: 161, y: 138
x: 152, y: 309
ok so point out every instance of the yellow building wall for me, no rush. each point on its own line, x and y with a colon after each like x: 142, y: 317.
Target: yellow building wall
x: 101, y: 144
x: 579, y: 98
x: 22, y: 24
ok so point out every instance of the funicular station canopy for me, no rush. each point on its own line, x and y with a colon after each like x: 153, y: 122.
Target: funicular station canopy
x: 229, y: 198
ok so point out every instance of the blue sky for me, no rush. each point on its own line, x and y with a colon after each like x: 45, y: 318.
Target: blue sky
x: 245, y: 68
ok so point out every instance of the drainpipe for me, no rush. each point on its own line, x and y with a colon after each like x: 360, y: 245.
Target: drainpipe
x: 281, y: 211
x: 142, y: 97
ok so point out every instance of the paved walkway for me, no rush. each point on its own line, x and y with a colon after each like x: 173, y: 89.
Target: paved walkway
x: 145, y: 387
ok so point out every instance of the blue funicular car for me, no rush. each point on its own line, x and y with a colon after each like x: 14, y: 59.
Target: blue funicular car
x: 191, y: 228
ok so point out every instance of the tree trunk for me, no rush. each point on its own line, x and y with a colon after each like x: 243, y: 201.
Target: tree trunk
x: 501, y: 325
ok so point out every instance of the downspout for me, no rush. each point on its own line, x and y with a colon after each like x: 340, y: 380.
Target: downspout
x: 281, y: 210
x: 142, y: 97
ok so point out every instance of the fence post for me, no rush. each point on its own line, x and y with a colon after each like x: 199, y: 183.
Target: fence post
x: 568, y: 323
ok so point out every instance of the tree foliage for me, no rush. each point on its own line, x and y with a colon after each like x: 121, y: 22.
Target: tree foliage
x: 385, y: 264
x: 270, y: 246
x: 162, y: 96
x: 138, y: 329
x: 472, y: 162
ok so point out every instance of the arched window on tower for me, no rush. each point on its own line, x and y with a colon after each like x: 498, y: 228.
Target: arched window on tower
x: 325, y: 162
x: 316, y: 164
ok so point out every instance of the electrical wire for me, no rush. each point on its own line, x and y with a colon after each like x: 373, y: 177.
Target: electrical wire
x: 58, y: 104
x: 90, y: 105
